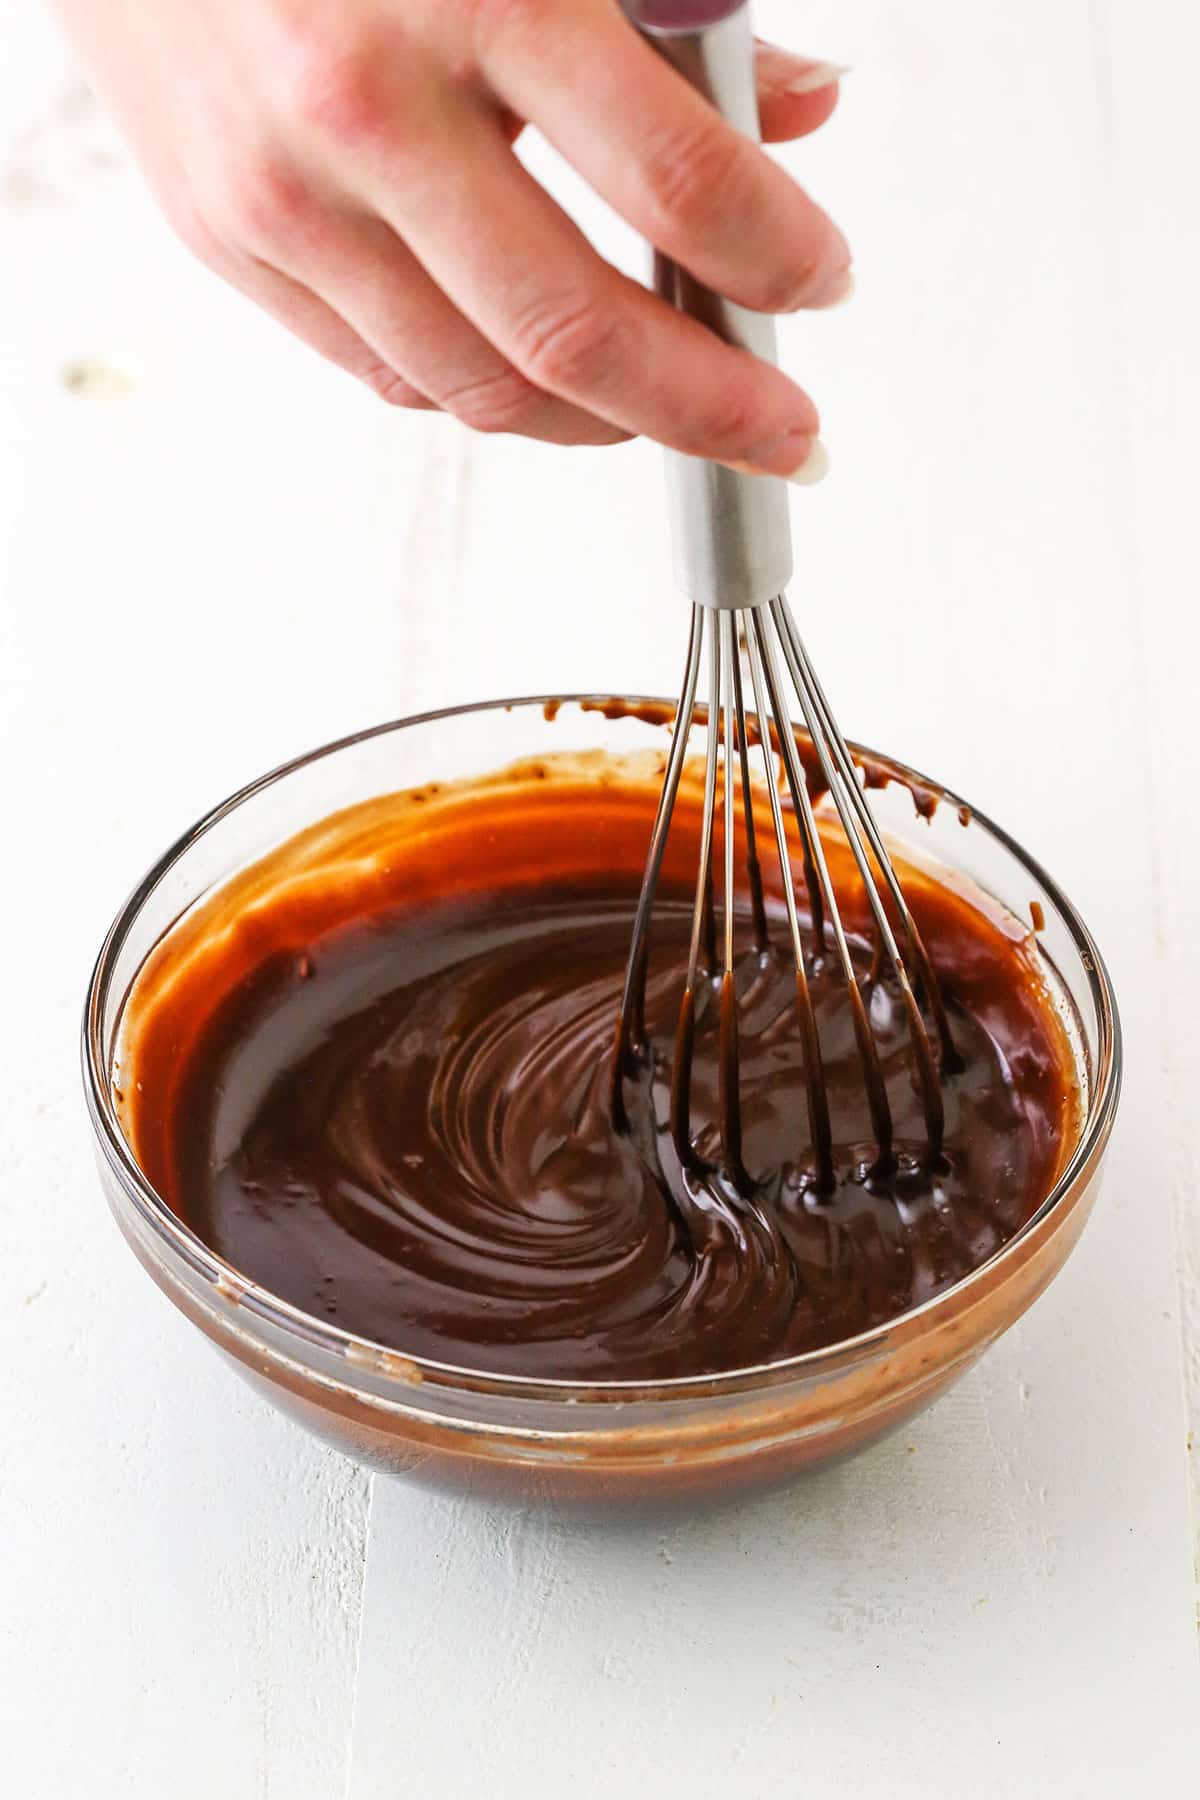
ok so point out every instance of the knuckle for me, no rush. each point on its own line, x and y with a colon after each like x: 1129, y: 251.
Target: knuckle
x: 699, y: 179
x: 571, y: 344
x: 391, y: 387
x: 334, y: 88
x: 504, y: 401
x: 787, y: 286
x: 260, y: 204
x: 728, y: 422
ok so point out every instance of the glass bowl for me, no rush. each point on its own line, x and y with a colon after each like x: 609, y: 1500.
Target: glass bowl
x: 610, y: 1441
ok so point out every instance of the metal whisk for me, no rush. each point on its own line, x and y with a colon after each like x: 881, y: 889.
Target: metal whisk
x: 733, y: 547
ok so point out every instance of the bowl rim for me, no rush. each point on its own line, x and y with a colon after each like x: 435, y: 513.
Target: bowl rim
x: 359, y: 1354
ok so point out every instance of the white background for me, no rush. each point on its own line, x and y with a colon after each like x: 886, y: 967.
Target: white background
x: 215, y: 553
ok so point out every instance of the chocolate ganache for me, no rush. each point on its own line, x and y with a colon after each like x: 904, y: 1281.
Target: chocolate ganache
x: 374, y: 1073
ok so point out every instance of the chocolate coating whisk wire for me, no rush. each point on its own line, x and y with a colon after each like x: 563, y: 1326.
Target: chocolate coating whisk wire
x: 773, y: 645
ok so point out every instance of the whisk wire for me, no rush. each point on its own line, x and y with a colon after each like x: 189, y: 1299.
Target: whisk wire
x: 817, y: 1097
x: 685, y: 1036
x: 704, y: 874
x: 877, y: 1100
x: 769, y: 634
x: 631, y: 1020
x: 794, y: 651
x: 851, y: 806
x: 758, y: 906
x: 735, y: 734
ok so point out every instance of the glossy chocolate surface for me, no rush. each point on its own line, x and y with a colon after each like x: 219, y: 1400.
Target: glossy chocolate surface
x: 375, y: 1074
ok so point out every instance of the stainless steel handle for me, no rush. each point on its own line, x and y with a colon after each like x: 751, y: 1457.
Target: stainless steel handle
x: 732, y: 537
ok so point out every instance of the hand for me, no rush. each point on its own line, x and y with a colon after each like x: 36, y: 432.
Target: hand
x: 348, y: 164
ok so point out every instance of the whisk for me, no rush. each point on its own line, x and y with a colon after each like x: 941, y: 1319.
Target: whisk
x: 734, y: 554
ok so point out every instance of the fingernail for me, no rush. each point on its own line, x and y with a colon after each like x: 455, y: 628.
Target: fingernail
x: 796, y: 457
x: 815, y: 466
x: 815, y: 77
x: 836, y: 291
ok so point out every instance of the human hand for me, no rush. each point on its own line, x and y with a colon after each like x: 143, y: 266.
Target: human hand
x: 348, y: 164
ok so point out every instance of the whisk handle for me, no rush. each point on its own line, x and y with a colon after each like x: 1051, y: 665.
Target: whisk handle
x: 732, y: 538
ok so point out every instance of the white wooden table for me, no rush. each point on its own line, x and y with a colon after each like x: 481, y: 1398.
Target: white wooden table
x: 214, y: 553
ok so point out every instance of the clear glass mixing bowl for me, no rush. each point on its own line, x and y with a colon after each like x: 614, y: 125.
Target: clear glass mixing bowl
x: 616, y: 1440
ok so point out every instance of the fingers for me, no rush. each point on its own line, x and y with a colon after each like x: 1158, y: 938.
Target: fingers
x: 373, y: 281
x: 795, y: 94
x: 570, y: 323
x: 397, y: 234
x: 350, y: 288
x: 665, y: 159
x: 306, y: 316
x: 317, y: 325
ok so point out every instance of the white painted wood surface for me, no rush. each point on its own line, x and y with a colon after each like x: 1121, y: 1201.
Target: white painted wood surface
x: 213, y: 553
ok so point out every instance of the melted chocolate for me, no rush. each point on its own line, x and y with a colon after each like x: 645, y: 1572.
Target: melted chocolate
x: 376, y: 1076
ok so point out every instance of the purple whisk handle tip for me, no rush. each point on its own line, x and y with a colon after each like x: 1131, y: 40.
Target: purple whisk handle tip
x: 671, y: 17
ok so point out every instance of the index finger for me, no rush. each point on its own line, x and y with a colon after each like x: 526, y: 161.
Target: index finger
x: 659, y: 153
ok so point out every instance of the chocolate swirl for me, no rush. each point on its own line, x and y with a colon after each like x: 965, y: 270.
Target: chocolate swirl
x: 407, y: 1129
